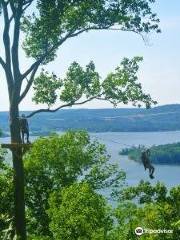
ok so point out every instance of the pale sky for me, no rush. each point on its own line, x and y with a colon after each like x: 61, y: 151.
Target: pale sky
x: 159, y: 73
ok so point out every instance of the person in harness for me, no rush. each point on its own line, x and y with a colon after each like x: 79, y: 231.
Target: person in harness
x: 24, y: 128
x: 145, y: 158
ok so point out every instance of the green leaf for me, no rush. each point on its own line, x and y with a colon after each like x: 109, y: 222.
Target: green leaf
x: 53, y: 21
x: 85, y: 84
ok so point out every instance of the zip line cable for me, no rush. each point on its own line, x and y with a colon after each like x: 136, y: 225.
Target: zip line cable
x: 110, y: 140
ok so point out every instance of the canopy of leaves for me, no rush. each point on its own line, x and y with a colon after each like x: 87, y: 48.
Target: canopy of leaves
x: 56, y: 162
x: 56, y: 20
x: 78, y: 210
x: 45, y: 87
x: 6, y: 197
x: 82, y: 214
x: 156, y: 208
x: 82, y: 85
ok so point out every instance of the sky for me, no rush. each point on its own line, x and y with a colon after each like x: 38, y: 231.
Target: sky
x: 159, y: 73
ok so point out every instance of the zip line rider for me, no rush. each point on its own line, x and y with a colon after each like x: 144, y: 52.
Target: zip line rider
x: 145, y: 158
x: 24, y: 128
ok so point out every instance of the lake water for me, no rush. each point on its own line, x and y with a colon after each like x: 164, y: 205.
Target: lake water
x: 168, y: 174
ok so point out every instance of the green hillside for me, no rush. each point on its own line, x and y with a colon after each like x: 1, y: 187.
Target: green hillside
x: 163, y: 118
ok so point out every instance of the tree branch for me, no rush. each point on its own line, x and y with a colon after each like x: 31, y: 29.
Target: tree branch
x: 6, y: 40
x: 71, y: 34
x: 43, y: 57
x: 29, y: 84
x: 3, y: 64
x: 62, y: 106
x: 140, y: 34
x: 32, y: 67
x: 15, y: 45
x: 27, y: 4
x: 60, y: 42
x: 13, y: 9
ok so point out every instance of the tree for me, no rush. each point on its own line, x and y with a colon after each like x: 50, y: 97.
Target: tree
x: 149, y: 207
x: 46, y: 25
x: 78, y: 212
x: 53, y: 164
x: 57, y: 162
x: 6, y: 198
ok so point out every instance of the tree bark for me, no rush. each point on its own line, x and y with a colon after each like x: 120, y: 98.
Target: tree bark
x: 17, y: 156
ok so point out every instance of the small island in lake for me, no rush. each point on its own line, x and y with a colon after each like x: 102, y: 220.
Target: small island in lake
x: 161, y: 154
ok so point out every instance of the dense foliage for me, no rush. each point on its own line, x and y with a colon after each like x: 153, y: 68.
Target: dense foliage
x: 150, y: 207
x: 59, y: 161
x: 66, y: 177
x: 55, y: 21
x: 6, y: 197
x: 82, y: 214
x: 83, y: 85
x: 162, y: 154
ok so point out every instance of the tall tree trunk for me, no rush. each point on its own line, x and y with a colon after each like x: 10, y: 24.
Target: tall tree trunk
x: 19, y: 204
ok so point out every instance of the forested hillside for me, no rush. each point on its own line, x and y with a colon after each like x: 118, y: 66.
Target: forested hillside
x: 163, y: 118
x: 161, y: 154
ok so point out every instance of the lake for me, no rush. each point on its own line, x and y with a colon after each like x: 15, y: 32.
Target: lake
x: 115, y: 141
x: 168, y: 174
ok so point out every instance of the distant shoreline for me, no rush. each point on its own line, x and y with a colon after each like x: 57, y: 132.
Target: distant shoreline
x: 158, y: 119
x: 159, y: 154
x: 43, y: 134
